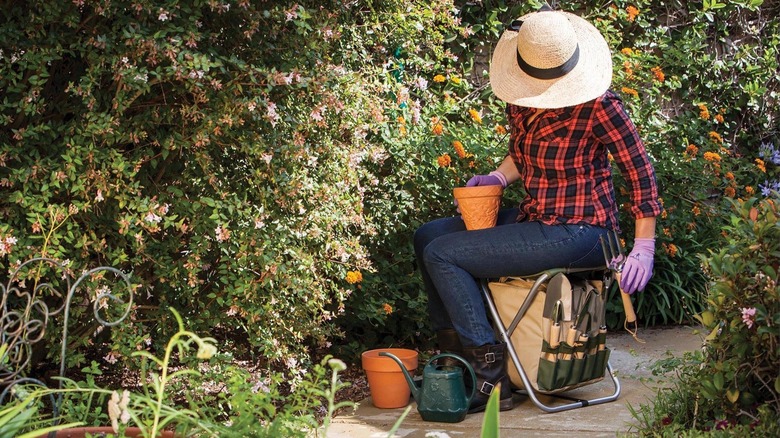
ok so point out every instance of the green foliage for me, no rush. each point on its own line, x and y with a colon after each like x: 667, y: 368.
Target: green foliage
x: 22, y: 416
x: 734, y: 381
x: 490, y: 423
x: 263, y: 165
x: 193, y: 391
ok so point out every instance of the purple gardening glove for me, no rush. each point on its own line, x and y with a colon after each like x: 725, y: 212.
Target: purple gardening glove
x: 494, y: 178
x: 639, y: 266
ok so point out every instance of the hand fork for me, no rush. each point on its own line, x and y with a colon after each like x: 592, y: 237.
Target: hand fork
x: 616, y: 259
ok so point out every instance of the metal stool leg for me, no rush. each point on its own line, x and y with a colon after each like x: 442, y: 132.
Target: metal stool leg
x: 505, y: 333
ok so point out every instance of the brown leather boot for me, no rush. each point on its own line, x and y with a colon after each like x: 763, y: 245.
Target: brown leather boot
x: 449, y: 342
x: 489, y: 363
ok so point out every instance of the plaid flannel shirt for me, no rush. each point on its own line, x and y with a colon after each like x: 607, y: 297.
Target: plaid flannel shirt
x: 564, y: 161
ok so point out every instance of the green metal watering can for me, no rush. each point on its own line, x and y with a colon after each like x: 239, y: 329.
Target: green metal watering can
x: 441, y: 396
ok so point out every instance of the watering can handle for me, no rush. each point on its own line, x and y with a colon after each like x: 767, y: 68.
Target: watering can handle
x: 468, y: 367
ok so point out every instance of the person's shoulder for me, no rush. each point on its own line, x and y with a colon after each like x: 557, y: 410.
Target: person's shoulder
x: 609, y: 102
x: 609, y: 98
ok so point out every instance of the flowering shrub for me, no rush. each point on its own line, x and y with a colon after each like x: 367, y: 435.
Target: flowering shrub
x: 734, y: 383
x: 231, y: 155
x: 263, y: 165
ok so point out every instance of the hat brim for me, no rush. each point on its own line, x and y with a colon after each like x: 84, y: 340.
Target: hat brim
x: 589, y: 79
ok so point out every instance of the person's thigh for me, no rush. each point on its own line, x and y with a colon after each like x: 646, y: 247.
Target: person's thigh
x: 518, y: 249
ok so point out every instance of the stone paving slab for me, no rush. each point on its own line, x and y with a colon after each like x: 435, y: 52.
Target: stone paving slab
x: 630, y: 360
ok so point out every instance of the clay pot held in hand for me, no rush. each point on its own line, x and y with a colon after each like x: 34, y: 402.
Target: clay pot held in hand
x: 479, y: 205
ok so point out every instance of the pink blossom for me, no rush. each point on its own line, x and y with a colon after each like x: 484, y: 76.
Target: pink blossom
x: 748, y: 315
x: 272, y: 115
x: 222, y: 234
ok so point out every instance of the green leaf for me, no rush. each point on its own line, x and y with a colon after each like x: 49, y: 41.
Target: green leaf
x: 777, y: 385
x: 490, y: 423
x: 717, y: 380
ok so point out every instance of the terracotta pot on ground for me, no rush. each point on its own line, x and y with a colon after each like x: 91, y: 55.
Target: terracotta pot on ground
x: 81, y: 432
x: 386, y: 381
x: 479, y: 205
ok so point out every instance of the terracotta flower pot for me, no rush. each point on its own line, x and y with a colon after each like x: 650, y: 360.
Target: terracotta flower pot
x: 386, y: 381
x: 81, y: 432
x: 479, y: 205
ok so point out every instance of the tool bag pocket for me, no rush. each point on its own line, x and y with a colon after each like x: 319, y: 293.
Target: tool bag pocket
x: 561, y: 338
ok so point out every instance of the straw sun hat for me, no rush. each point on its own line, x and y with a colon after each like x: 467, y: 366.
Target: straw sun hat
x: 550, y: 59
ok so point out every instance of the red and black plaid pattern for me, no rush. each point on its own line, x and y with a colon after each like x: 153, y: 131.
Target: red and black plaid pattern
x: 564, y: 163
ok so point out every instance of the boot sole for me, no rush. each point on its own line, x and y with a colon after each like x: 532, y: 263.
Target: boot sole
x: 504, y: 405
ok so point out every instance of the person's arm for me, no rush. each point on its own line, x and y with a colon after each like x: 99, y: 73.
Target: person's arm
x: 505, y: 174
x: 509, y: 170
x: 644, y: 228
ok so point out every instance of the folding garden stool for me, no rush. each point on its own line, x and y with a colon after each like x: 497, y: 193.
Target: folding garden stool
x: 553, y: 325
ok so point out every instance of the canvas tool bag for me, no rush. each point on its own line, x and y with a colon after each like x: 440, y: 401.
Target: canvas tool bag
x: 561, y: 339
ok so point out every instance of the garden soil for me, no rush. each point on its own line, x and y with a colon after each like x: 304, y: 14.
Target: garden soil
x: 631, y: 360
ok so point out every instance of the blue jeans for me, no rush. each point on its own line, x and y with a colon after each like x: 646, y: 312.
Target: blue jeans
x: 452, y: 259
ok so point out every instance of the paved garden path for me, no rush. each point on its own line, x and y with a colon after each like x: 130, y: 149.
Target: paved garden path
x: 631, y: 361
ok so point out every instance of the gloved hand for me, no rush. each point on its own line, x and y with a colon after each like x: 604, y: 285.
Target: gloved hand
x: 639, y: 266
x: 494, y: 178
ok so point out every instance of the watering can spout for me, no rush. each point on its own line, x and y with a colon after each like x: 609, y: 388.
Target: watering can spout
x: 412, y: 386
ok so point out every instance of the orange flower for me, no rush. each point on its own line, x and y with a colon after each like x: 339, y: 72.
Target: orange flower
x: 354, y: 277
x: 704, y: 113
x: 628, y: 67
x: 658, y: 73
x: 627, y: 51
x: 444, y: 160
x: 630, y: 91
x: 439, y: 78
x: 750, y: 190
x: 438, y: 128
x: 387, y: 308
x: 459, y: 149
x: 714, y: 136
x: 632, y: 13
x: 500, y: 130
x: 671, y: 249
x: 691, y: 150
x: 760, y: 164
x: 729, y: 176
x: 696, y: 210
x: 475, y: 116
x: 730, y: 192
x: 719, y: 118
x: 711, y: 156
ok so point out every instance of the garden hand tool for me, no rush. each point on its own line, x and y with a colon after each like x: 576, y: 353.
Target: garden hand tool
x: 555, y: 331
x: 615, y: 259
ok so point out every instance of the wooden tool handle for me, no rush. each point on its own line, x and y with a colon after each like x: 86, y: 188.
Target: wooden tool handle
x: 555, y: 335
x: 631, y: 324
x: 628, y: 306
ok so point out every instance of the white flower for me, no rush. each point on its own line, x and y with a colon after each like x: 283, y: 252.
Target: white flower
x: 111, y: 358
x: 152, y: 218
x: 117, y: 409
x: 206, y: 350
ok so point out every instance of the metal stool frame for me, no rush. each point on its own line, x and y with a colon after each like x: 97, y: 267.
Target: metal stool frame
x: 505, y: 334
